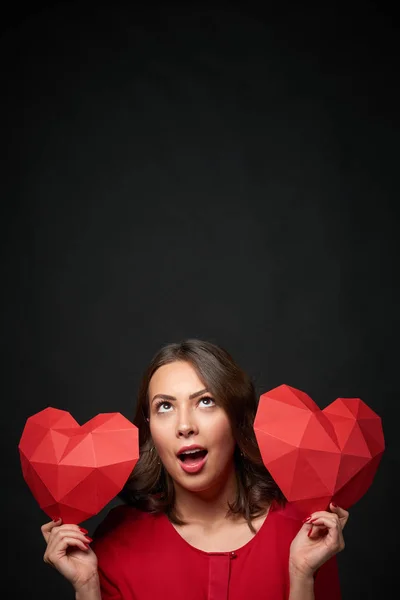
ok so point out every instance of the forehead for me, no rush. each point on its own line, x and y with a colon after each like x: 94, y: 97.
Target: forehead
x: 176, y: 378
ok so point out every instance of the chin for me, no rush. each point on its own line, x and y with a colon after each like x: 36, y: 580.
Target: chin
x: 197, y: 488
x: 202, y: 482
x: 191, y: 482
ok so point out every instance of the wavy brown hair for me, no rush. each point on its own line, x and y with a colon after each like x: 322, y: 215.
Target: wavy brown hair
x: 150, y: 487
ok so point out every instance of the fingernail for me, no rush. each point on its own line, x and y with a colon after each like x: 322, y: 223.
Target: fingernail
x: 83, y: 530
x: 56, y: 519
x: 309, y: 533
x: 312, y: 520
x: 89, y: 539
x: 87, y: 546
x: 308, y: 518
x: 333, y: 504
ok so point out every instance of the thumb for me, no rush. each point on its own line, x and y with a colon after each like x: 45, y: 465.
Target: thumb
x: 340, y: 512
x: 47, y: 528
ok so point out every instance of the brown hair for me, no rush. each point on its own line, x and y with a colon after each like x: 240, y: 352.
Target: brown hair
x: 150, y: 487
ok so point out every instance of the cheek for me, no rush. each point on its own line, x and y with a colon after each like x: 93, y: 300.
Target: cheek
x: 161, y: 438
x: 219, y: 433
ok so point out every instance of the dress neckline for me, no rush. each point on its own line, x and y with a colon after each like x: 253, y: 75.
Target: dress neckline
x: 238, y: 550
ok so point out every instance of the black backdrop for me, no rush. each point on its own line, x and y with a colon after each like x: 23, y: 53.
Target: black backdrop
x: 198, y: 171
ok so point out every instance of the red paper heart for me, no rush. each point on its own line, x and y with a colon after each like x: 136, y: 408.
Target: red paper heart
x: 317, y: 457
x: 73, y: 471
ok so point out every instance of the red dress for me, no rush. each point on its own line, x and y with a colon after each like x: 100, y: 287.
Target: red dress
x: 143, y: 557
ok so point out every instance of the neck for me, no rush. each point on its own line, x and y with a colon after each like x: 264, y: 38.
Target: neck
x: 206, y: 507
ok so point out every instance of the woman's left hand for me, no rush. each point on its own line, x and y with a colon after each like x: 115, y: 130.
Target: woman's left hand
x: 320, y: 538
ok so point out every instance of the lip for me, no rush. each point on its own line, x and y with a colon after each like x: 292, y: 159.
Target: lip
x: 194, y: 468
x: 192, y: 447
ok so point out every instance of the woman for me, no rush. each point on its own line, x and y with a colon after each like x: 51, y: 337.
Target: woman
x: 202, y: 517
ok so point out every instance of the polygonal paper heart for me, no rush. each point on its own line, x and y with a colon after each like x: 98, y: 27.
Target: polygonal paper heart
x: 73, y: 471
x: 317, y: 457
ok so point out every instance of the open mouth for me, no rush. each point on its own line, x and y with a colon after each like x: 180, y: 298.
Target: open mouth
x: 192, y: 458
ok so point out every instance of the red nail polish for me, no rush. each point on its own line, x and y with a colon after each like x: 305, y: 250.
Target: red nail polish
x: 333, y: 504
x: 56, y: 519
x: 83, y: 530
x: 305, y: 520
x: 312, y: 520
x: 89, y: 539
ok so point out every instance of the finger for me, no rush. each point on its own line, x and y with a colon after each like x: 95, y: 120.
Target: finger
x: 317, y: 531
x: 65, y: 528
x: 330, y: 521
x: 314, y: 518
x: 47, y: 528
x: 52, y: 554
x: 317, y: 528
x: 320, y: 513
x: 57, y: 540
x: 334, y: 531
x: 340, y: 512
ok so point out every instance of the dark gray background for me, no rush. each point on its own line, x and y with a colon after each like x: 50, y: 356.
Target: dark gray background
x: 228, y: 173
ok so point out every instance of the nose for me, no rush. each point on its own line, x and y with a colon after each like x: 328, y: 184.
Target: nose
x: 186, y: 425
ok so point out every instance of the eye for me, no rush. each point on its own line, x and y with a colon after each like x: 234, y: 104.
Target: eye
x: 209, y: 401
x: 161, y: 404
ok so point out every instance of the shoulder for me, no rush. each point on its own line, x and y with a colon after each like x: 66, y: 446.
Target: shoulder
x: 286, y: 519
x: 119, y: 515
x: 122, y: 523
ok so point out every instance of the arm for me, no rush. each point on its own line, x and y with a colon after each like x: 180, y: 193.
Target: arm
x: 69, y: 552
x: 98, y: 588
x: 301, y: 588
x: 323, y: 585
x: 313, y: 566
x: 90, y: 591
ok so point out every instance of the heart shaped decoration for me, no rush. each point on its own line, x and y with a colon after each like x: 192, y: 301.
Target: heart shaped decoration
x: 73, y: 471
x: 318, y: 456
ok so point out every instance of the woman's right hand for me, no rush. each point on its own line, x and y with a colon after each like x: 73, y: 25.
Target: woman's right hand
x: 69, y: 552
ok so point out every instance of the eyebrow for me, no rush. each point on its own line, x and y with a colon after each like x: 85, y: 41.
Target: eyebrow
x: 167, y: 397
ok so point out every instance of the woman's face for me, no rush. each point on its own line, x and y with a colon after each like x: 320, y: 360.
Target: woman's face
x: 183, y: 413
